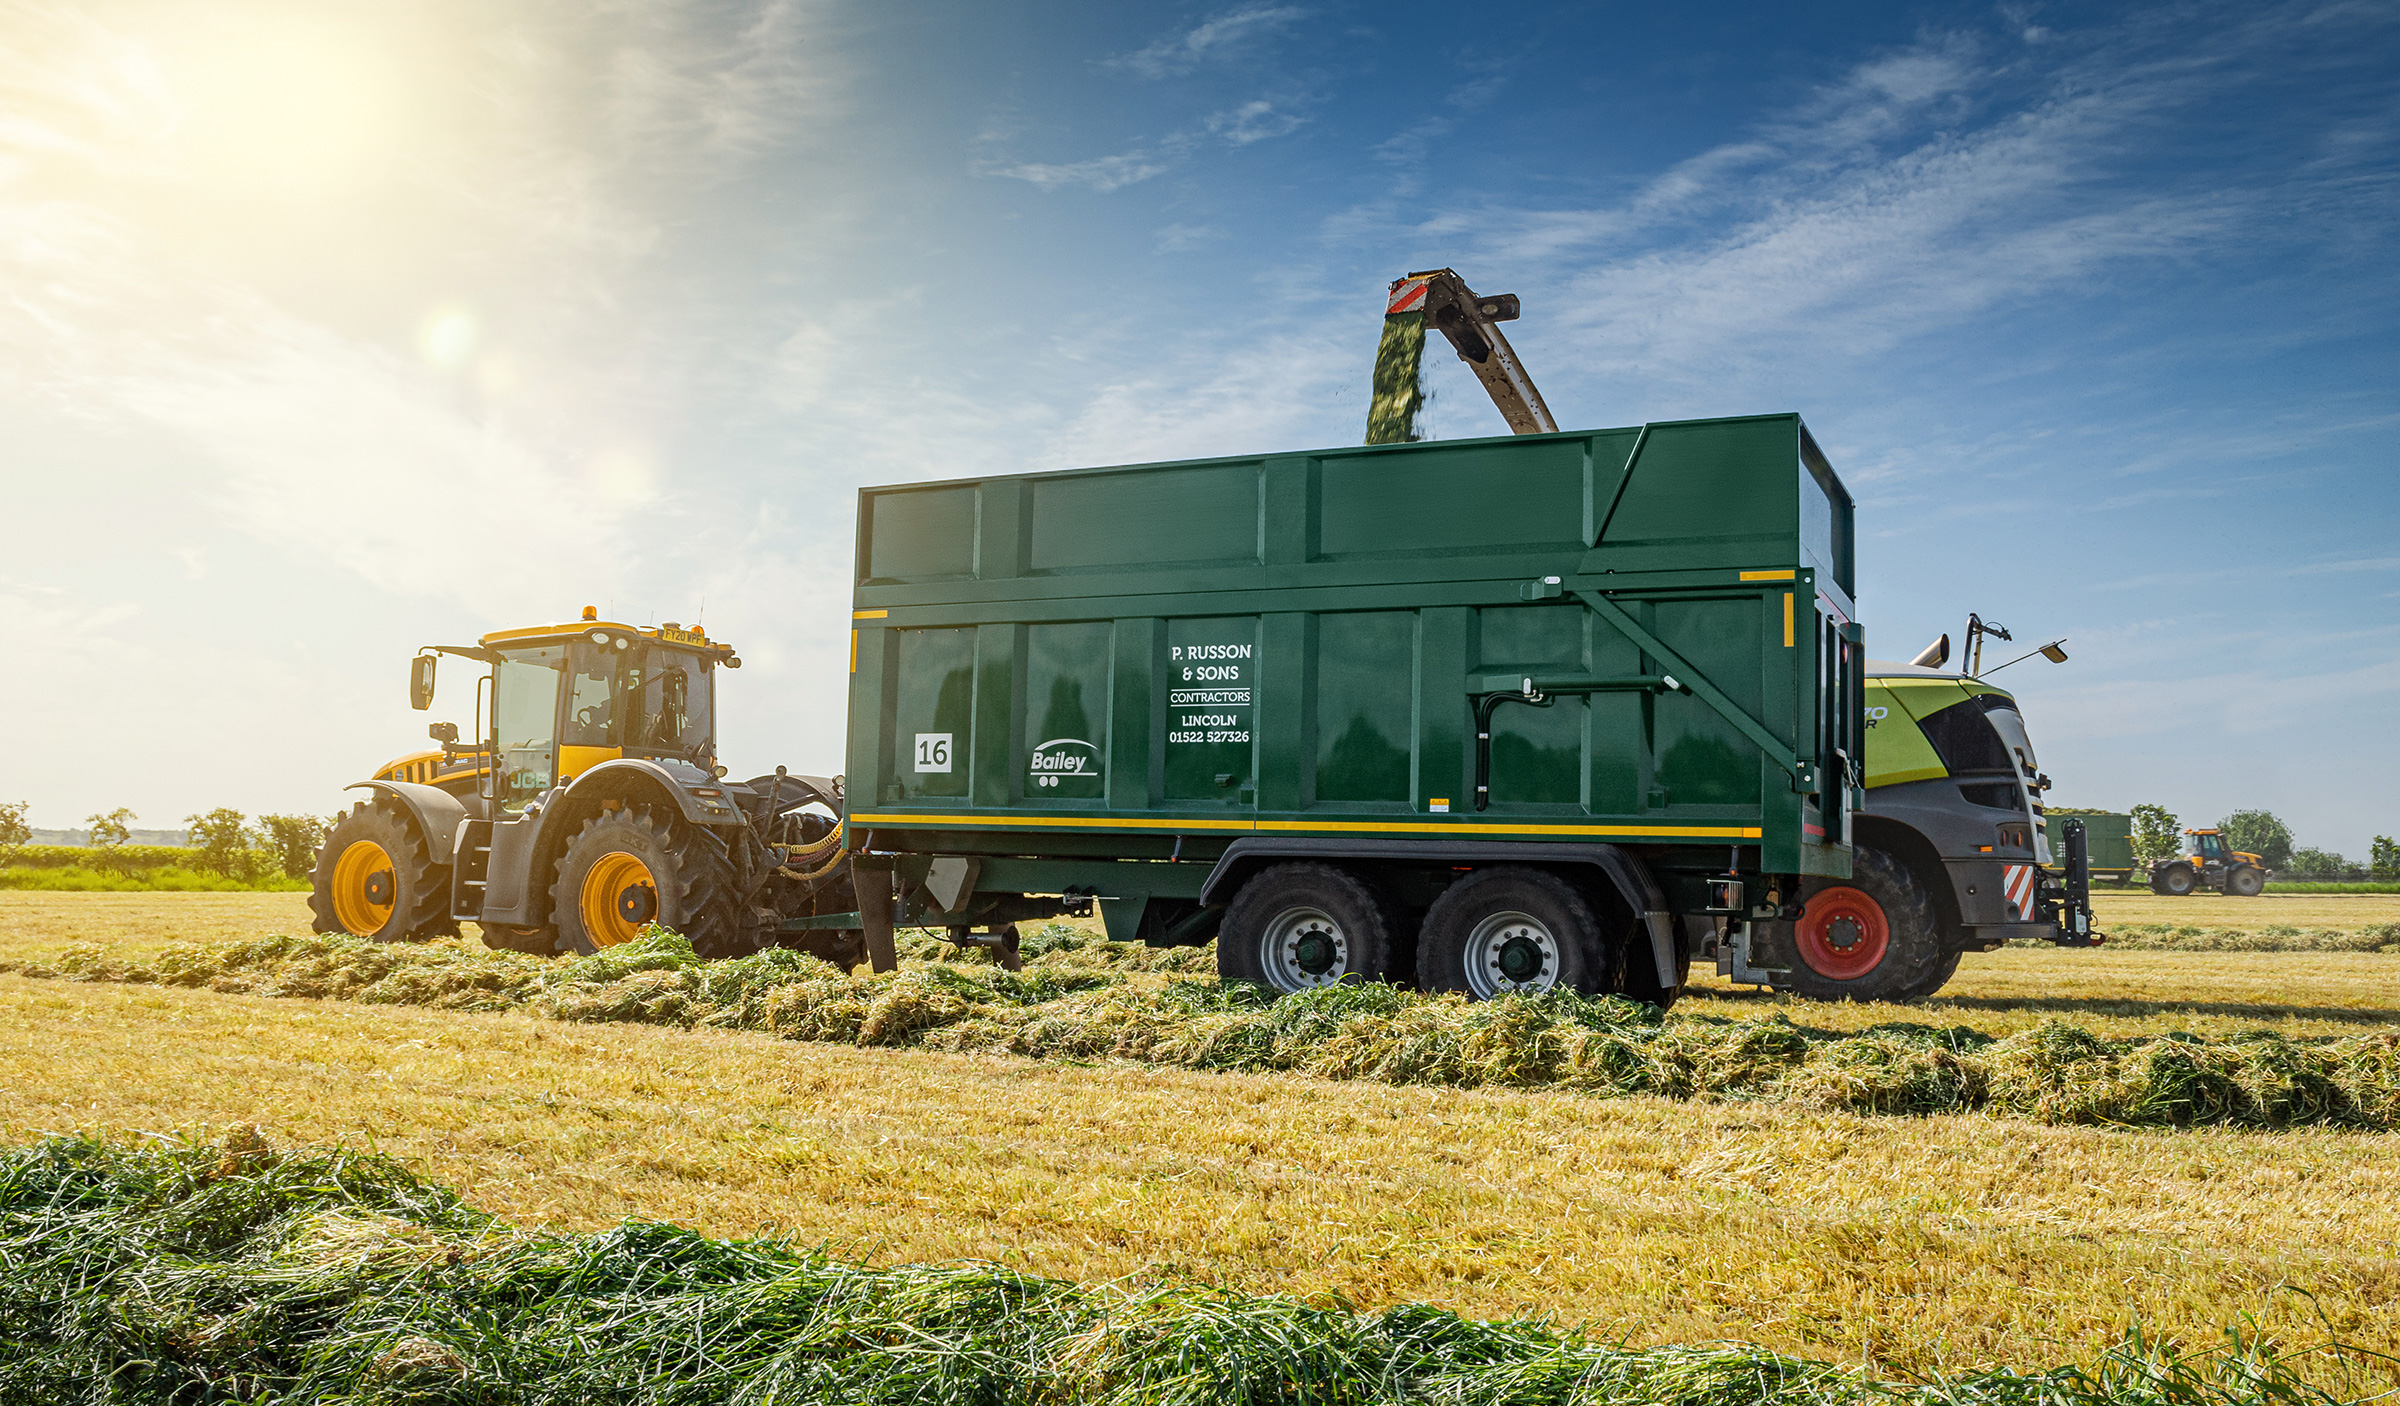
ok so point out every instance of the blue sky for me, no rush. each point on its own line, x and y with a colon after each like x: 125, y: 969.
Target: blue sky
x: 329, y: 330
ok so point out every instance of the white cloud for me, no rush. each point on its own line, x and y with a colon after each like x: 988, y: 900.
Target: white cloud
x: 1253, y: 121
x: 1220, y: 37
x: 1103, y: 173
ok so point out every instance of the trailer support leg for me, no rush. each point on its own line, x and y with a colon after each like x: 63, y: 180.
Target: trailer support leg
x: 875, y: 915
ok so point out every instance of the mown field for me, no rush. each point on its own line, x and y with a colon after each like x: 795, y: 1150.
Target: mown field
x: 1915, y: 1244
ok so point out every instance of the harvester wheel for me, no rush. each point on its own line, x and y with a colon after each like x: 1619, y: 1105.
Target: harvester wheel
x: 376, y: 877
x: 1299, y: 926
x: 2246, y: 882
x: 1505, y: 930
x: 1935, y: 979
x: 630, y: 867
x: 1869, y: 938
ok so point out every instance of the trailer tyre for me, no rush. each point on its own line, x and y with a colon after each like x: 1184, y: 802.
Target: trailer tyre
x: 630, y: 867
x: 376, y: 877
x: 1508, y: 931
x: 1870, y: 938
x: 1296, y: 927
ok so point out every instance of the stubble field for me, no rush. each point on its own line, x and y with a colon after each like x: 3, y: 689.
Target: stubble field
x: 1911, y: 1244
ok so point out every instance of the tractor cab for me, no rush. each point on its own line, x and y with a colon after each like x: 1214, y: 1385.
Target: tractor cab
x: 565, y: 698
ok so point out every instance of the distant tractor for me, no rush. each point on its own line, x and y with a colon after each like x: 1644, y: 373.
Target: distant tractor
x: 2207, y: 863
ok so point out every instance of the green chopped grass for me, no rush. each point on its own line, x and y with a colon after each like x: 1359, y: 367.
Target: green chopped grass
x: 2275, y: 937
x: 183, y: 1272
x: 1086, y: 1000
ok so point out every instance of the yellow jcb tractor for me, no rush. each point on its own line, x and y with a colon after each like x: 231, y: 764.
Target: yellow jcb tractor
x: 2206, y: 863
x: 606, y: 811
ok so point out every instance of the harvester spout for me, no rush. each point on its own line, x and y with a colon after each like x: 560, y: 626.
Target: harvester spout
x: 1439, y: 298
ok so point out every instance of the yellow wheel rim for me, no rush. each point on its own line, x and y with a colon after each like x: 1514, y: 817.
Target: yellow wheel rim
x: 618, y: 897
x: 365, y: 889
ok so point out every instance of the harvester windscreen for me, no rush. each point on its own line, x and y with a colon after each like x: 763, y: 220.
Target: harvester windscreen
x: 524, y: 720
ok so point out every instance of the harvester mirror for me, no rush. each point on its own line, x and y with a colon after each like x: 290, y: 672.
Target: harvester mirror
x: 420, y: 681
x: 2054, y: 653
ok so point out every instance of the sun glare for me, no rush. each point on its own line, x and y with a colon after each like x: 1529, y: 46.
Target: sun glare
x: 281, y: 98
x: 448, y: 337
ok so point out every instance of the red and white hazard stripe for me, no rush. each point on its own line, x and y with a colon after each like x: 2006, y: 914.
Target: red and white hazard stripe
x: 1408, y: 295
x: 2016, y: 882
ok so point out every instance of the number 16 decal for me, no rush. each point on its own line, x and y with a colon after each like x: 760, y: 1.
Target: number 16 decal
x: 933, y: 751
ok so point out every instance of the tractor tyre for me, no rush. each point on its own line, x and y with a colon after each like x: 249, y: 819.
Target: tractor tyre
x: 1299, y: 926
x: 2246, y: 882
x: 1935, y: 979
x: 1510, y: 931
x: 1869, y: 938
x: 630, y: 867
x: 2176, y: 880
x: 376, y: 877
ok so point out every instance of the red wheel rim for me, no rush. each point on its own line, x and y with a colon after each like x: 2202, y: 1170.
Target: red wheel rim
x: 1843, y: 934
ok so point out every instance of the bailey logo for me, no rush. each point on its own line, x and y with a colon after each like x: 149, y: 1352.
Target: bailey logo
x: 1063, y: 759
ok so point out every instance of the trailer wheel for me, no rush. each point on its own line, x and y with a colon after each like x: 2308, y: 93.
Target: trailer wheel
x: 630, y: 867
x: 2246, y: 882
x: 376, y: 877
x: 1872, y: 938
x: 1504, y: 931
x: 2176, y: 880
x: 1299, y: 926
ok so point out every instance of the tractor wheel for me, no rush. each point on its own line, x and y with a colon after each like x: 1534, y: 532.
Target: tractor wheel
x: 1504, y: 931
x: 1871, y: 938
x: 376, y: 877
x: 2246, y: 882
x: 1299, y: 926
x: 629, y: 867
x: 2176, y: 880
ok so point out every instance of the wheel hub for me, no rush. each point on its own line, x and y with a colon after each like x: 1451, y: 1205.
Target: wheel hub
x: 1314, y: 952
x: 1511, y: 952
x: 1520, y: 959
x: 1843, y: 933
x: 379, y: 888
x: 1304, y: 947
x: 637, y: 904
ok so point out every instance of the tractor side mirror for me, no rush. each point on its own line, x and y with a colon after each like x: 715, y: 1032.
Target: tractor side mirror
x: 442, y: 732
x: 420, y: 681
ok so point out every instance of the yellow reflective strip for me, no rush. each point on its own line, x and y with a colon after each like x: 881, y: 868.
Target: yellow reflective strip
x: 870, y: 614
x: 1784, y: 575
x: 1787, y: 619
x: 854, y: 651
x: 1680, y: 832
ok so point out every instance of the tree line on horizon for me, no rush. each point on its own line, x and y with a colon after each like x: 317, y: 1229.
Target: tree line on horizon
x: 224, y: 841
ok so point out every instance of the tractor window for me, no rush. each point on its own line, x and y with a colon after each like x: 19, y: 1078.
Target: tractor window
x: 592, y: 682
x: 525, y: 721
x: 2212, y: 846
x: 669, y: 708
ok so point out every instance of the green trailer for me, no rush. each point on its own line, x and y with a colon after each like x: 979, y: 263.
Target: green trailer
x: 1481, y: 715
x: 2110, y: 836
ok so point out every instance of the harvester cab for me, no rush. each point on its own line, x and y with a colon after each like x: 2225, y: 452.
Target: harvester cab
x: 589, y: 804
x: 2207, y: 862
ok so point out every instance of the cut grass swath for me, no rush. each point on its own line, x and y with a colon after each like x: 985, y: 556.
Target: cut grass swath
x: 182, y: 1272
x: 1091, y: 1000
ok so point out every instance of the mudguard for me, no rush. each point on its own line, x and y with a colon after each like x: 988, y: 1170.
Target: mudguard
x: 435, y: 810
x: 632, y: 776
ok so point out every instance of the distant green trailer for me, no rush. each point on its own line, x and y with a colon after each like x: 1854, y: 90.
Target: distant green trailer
x: 1482, y: 715
x: 2110, y: 836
